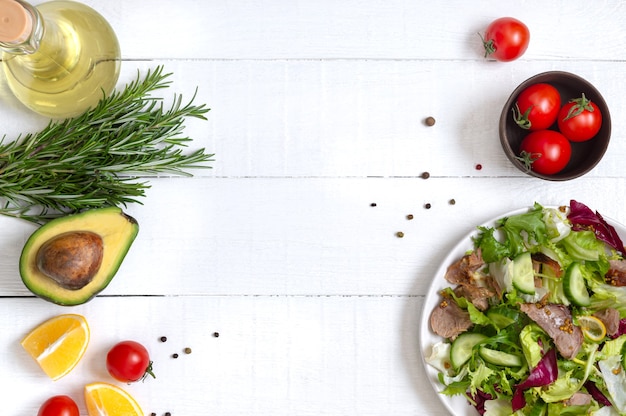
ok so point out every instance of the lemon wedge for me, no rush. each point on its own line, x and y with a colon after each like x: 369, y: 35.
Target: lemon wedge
x: 104, y: 399
x: 58, y: 344
x: 592, y: 327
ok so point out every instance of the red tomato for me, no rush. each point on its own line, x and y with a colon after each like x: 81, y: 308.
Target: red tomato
x: 506, y: 39
x: 580, y: 119
x: 59, y: 406
x: 537, y: 107
x: 545, y: 151
x: 129, y: 361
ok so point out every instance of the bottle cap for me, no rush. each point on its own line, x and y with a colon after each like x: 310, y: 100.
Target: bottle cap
x: 15, y: 22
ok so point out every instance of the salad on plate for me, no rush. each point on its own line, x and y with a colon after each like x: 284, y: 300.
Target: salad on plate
x: 533, y: 321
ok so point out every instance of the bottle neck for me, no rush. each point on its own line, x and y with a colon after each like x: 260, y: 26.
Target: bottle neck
x: 33, y: 30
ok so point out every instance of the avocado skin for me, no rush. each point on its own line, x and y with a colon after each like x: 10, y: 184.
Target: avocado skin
x: 118, y: 231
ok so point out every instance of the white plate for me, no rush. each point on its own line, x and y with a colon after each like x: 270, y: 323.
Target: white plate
x: 458, y: 405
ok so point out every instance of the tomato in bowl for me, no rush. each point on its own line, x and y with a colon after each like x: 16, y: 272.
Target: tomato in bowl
x: 570, y: 159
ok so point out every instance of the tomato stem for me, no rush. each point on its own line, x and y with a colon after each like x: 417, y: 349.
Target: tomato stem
x: 528, y: 159
x: 488, y: 45
x: 521, y: 119
x: 149, y: 371
x: 582, y: 104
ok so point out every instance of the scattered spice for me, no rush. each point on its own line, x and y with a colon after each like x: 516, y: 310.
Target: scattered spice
x: 163, y: 339
x: 427, y: 205
x: 174, y: 355
x: 373, y: 204
x: 168, y: 414
x: 452, y: 201
x: 430, y: 121
x: 152, y: 414
x: 187, y: 350
x: 567, y: 326
x: 399, y: 234
x: 409, y: 217
x: 479, y: 166
x: 216, y: 334
x: 425, y: 175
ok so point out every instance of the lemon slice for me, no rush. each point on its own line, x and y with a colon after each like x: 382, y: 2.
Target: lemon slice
x: 592, y: 327
x: 58, y: 344
x: 105, y: 399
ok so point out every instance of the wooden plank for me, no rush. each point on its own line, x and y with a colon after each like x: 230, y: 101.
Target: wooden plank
x: 353, y: 29
x: 273, y: 236
x: 305, y: 355
x: 355, y: 118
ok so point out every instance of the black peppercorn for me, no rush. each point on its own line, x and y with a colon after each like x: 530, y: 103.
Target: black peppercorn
x: 174, y: 355
x: 425, y: 175
x: 427, y: 205
x: 216, y: 334
x: 163, y: 339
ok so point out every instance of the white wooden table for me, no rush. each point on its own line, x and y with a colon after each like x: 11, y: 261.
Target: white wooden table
x: 318, y: 111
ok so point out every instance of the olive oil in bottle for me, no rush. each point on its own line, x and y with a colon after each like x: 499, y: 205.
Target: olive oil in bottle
x: 60, y: 58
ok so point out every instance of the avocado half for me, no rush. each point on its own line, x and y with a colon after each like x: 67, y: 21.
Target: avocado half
x: 117, y: 231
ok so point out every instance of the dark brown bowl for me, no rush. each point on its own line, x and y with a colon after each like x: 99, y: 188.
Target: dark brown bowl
x: 585, y: 155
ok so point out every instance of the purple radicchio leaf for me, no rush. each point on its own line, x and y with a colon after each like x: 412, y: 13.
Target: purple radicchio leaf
x: 544, y: 373
x: 597, y: 394
x: 621, y: 329
x: 583, y: 218
x: 479, y: 400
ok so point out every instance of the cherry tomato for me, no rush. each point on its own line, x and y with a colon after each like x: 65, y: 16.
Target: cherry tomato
x: 129, y: 361
x: 545, y: 151
x: 506, y: 39
x: 537, y: 107
x: 59, y: 406
x: 580, y: 119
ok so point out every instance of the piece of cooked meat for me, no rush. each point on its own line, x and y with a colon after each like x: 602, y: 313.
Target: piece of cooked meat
x: 556, y: 320
x: 616, y: 275
x: 472, y: 284
x: 460, y: 272
x: 579, y: 399
x: 541, y: 260
x: 448, y: 320
x: 610, y: 318
x: 479, y: 296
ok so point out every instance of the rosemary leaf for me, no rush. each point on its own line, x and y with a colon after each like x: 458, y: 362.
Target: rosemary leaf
x: 96, y: 159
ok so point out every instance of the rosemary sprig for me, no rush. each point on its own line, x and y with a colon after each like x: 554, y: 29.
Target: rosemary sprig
x: 95, y: 159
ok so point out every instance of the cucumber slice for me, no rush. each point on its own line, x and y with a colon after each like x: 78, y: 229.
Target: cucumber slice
x: 499, y: 357
x: 574, y: 285
x: 462, y: 346
x: 523, y: 274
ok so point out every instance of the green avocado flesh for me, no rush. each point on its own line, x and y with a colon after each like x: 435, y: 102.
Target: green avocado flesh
x: 117, y: 232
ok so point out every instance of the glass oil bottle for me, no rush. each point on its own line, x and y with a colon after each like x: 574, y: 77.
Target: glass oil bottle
x: 60, y: 58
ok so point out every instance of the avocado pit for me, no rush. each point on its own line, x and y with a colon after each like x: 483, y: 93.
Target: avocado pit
x: 71, y: 259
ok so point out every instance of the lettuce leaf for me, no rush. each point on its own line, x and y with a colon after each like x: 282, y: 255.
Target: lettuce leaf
x: 520, y: 231
x: 583, y: 218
